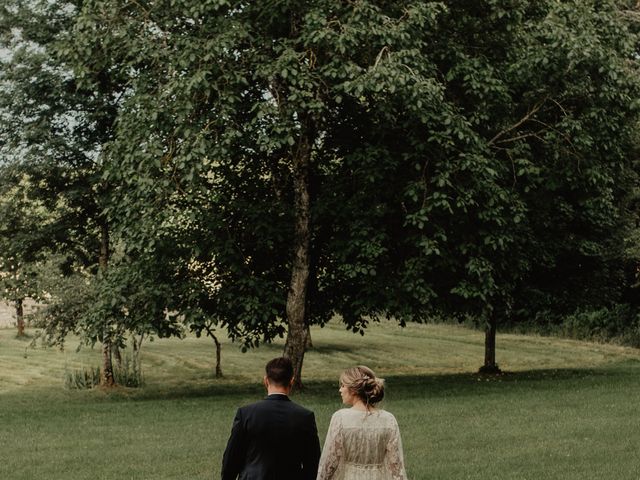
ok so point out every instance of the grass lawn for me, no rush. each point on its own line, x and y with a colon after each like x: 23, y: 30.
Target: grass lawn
x: 565, y: 409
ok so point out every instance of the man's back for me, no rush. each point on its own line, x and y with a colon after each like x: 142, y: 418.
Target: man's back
x: 274, y: 439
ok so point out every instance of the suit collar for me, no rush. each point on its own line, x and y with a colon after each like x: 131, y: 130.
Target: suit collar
x: 278, y: 396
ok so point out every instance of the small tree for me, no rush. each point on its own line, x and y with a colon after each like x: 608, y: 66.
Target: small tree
x: 22, y: 243
x: 57, y: 125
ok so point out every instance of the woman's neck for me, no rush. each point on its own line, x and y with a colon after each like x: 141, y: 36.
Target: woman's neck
x: 360, y: 405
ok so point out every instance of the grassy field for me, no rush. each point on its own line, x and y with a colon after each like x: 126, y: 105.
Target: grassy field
x: 565, y: 409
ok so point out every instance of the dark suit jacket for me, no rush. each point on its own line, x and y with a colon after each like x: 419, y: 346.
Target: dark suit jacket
x: 274, y: 439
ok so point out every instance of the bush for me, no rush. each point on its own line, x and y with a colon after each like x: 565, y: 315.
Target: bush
x: 82, y: 379
x: 620, y: 324
x: 129, y: 374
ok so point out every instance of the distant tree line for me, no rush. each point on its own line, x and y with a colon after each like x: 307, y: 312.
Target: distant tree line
x: 260, y: 167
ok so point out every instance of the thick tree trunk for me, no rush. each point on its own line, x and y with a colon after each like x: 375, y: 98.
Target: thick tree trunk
x: 297, y: 296
x: 106, y: 379
x: 490, y: 366
x: 20, y: 316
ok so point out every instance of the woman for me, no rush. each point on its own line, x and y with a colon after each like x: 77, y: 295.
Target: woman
x: 363, y: 442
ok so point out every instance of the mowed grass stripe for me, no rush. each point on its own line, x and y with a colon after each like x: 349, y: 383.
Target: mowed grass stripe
x: 415, y: 349
x: 566, y: 410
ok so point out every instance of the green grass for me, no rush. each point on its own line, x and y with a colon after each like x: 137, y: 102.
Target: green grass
x: 565, y: 409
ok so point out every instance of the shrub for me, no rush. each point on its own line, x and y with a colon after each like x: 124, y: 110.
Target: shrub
x: 129, y: 373
x: 82, y: 379
x: 620, y: 323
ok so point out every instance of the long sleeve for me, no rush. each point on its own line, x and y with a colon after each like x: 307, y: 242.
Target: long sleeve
x: 233, y: 458
x: 394, y: 457
x: 333, y: 450
x: 311, y: 452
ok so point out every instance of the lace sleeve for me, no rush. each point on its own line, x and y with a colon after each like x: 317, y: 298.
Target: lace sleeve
x: 332, y: 451
x: 394, y: 457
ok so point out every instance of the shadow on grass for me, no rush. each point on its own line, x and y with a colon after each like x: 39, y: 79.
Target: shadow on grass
x: 410, y: 386
x: 466, y: 384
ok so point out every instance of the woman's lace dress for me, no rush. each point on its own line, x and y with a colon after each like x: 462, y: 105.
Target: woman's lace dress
x: 362, y: 446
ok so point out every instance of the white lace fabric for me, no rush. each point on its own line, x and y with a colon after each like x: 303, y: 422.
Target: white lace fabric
x: 362, y: 446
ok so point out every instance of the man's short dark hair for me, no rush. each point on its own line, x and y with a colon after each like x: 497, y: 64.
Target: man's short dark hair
x: 280, y: 371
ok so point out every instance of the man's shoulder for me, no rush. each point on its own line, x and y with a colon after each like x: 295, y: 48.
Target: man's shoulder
x: 251, y: 406
x: 300, y: 408
x: 269, y: 403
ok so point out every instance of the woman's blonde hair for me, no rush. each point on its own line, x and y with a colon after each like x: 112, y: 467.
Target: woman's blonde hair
x: 363, y: 383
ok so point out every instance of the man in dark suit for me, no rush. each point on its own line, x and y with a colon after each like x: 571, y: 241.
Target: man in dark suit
x: 273, y: 439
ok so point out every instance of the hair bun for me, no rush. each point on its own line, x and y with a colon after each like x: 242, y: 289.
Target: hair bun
x: 376, y: 391
x: 363, y: 382
x: 371, y: 389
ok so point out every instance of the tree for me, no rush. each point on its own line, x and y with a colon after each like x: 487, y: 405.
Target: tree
x: 22, y: 246
x: 291, y: 161
x: 55, y: 136
x: 558, y: 133
x: 577, y: 65
x: 298, y: 142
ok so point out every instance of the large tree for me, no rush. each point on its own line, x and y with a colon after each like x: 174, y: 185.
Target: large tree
x: 370, y: 160
x: 278, y: 163
x: 550, y: 91
x: 582, y: 58
x: 315, y: 155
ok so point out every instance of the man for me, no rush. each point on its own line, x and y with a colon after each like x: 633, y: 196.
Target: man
x: 273, y: 439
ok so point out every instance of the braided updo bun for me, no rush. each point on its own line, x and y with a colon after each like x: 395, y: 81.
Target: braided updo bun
x: 363, y: 383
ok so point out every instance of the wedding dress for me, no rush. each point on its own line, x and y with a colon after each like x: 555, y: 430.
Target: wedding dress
x: 362, y: 446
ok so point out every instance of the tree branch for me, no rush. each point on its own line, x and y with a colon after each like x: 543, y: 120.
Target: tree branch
x: 524, y: 119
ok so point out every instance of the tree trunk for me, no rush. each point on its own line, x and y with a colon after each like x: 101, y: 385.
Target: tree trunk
x: 106, y: 379
x: 218, y: 351
x: 106, y: 373
x: 20, y: 316
x: 218, y: 355
x: 297, y: 296
x: 490, y: 366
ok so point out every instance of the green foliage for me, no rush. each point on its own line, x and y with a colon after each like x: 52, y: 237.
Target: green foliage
x: 620, y: 324
x: 58, y: 143
x: 617, y: 324
x: 586, y: 164
x: 127, y: 374
x: 50, y: 147
x: 467, y: 158
x: 404, y: 192
x: 63, y: 312
x: 22, y: 243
